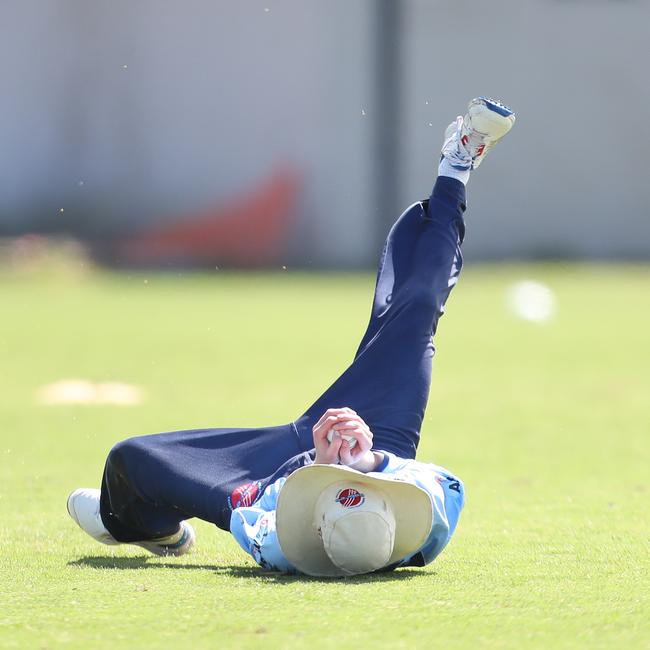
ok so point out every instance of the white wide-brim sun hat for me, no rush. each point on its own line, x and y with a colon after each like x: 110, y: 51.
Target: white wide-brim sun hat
x: 325, y: 510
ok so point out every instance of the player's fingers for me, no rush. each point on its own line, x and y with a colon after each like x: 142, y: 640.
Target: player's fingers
x: 357, y: 429
x: 327, y: 453
x: 334, y: 450
x: 354, y: 432
x: 346, y: 424
x: 345, y: 453
x: 322, y: 419
x: 350, y: 418
x: 356, y: 416
x: 329, y: 413
x: 363, y: 445
x: 333, y: 412
x: 362, y: 439
x: 360, y: 435
x: 321, y: 429
x: 351, y: 455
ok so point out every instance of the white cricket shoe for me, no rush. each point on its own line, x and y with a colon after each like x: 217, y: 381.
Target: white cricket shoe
x: 83, y: 507
x: 468, y: 139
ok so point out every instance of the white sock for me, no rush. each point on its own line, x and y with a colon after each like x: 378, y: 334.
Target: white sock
x: 445, y: 169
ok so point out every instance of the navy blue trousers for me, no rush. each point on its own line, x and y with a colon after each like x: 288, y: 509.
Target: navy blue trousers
x: 151, y: 483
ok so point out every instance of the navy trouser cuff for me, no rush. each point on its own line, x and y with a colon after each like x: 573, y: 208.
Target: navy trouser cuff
x: 448, y: 199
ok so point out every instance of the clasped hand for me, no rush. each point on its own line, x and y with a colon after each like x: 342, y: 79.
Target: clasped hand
x: 343, y: 422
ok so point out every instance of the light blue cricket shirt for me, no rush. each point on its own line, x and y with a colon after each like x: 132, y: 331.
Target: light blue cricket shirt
x: 254, y: 527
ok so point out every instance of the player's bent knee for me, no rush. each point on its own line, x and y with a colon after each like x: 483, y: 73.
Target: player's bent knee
x: 125, y: 457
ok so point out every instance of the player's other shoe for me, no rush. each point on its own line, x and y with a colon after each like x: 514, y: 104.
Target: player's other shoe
x: 179, y: 543
x: 469, y: 138
x: 83, y: 507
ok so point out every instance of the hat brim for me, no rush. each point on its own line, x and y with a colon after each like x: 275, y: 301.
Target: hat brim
x: 299, y: 537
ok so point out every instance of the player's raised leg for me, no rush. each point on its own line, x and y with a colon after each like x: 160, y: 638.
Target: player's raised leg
x: 388, y: 381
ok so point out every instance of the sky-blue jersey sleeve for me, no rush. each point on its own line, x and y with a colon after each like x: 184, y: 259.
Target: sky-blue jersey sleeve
x: 254, y: 529
x: 447, y: 494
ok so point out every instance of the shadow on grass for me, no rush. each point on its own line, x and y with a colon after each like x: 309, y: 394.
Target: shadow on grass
x: 242, y: 571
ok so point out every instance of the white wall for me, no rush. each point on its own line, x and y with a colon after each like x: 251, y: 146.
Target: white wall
x: 217, y: 93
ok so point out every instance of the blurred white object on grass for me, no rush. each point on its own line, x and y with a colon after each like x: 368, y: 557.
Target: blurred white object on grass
x: 531, y: 301
x: 82, y: 391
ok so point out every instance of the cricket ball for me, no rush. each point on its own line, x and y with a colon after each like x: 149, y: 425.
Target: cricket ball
x: 352, y: 441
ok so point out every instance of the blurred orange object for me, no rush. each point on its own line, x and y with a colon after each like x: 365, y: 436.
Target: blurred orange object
x: 248, y: 231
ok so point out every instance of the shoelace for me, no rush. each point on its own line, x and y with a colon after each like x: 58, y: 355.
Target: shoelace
x: 453, y: 149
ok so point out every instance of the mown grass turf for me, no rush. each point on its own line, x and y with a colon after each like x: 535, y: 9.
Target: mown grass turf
x: 548, y: 425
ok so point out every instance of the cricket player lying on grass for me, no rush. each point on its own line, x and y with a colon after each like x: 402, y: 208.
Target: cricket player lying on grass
x: 336, y: 492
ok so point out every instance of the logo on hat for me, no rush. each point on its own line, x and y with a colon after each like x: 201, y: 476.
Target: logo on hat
x: 350, y: 498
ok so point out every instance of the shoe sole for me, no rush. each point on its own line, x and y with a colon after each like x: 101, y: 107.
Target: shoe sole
x: 182, y: 547
x: 495, y: 106
x: 490, y: 117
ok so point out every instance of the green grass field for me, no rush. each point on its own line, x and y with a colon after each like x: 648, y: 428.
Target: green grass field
x: 548, y: 425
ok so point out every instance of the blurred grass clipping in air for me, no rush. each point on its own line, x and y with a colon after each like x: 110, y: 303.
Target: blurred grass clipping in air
x: 546, y: 421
